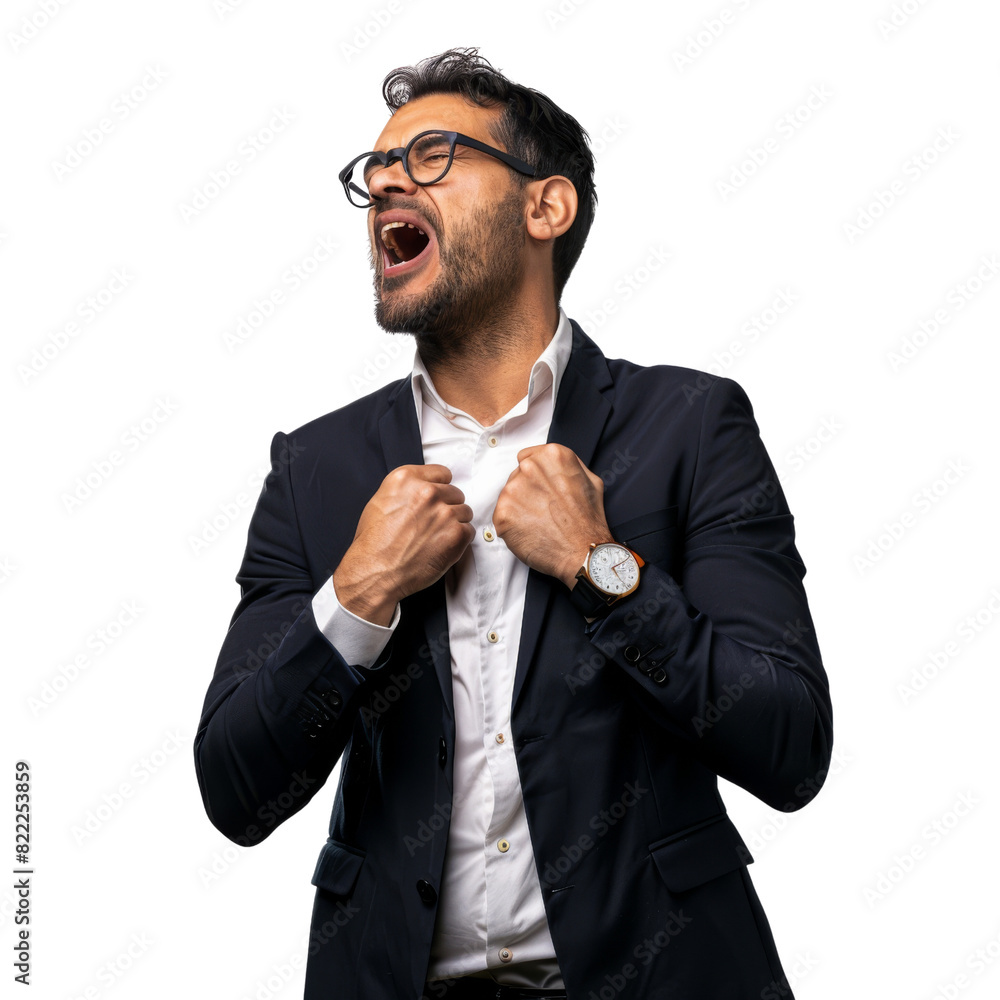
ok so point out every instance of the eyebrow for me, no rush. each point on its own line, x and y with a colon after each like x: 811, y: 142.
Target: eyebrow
x: 431, y: 129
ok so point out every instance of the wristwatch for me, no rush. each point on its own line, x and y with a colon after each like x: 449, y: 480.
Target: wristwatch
x: 609, y: 573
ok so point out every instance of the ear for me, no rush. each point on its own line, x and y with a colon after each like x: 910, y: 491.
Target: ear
x: 551, y: 207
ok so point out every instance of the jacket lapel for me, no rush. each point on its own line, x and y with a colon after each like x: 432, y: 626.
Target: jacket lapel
x: 398, y: 430
x: 400, y: 439
x: 583, y: 405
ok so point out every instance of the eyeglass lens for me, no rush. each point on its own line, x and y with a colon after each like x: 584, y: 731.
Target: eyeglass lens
x: 428, y: 161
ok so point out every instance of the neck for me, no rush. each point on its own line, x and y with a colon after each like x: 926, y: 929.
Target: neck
x: 488, y: 371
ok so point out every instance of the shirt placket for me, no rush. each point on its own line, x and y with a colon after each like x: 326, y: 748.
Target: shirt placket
x: 493, y: 573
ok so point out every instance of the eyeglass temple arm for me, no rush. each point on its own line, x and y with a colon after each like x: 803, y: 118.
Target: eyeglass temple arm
x: 512, y: 161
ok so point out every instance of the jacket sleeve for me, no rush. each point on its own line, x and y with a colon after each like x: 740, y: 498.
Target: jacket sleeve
x: 278, y: 712
x: 726, y: 659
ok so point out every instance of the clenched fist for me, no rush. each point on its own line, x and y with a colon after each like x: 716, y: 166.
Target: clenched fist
x: 550, y: 510
x: 415, y: 527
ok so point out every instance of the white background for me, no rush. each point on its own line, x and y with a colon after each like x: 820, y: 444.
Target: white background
x: 136, y: 894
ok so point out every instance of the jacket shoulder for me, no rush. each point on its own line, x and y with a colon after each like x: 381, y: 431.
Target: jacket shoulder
x: 360, y: 415
x: 662, y: 383
x: 676, y: 388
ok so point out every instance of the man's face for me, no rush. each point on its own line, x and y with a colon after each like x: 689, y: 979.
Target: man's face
x: 473, y: 219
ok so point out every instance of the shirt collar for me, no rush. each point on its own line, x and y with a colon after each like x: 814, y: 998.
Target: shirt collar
x: 547, y: 371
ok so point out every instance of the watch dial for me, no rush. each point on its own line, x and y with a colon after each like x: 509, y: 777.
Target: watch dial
x: 613, y: 568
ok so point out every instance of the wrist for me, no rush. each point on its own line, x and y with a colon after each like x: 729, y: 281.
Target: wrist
x: 364, y: 596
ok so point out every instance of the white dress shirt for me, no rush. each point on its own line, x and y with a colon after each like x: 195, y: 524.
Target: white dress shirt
x: 491, y: 919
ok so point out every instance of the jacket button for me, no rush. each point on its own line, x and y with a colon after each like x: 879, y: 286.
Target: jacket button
x: 333, y: 697
x: 660, y: 675
x: 632, y: 654
x: 426, y: 892
x: 442, y: 752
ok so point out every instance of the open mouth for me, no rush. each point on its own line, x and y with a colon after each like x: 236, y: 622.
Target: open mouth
x: 404, y: 245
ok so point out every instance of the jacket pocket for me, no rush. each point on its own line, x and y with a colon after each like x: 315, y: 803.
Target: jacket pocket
x: 699, y: 853
x: 337, y: 868
x: 651, y: 535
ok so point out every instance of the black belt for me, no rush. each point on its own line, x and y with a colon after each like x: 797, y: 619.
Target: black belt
x: 474, y: 988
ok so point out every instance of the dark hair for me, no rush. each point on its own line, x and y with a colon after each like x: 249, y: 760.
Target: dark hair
x: 532, y: 127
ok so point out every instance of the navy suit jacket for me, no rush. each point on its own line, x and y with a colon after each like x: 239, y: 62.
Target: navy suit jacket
x: 620, y: 728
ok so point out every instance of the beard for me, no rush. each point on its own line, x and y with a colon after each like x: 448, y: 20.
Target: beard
x: 480, y: 274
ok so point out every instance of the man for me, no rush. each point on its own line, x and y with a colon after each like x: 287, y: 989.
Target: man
x: 534, y: 600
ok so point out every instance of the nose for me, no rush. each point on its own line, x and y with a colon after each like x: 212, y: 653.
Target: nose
x: 392, y: 179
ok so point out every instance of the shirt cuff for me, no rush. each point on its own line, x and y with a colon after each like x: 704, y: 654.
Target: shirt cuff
x: 358, y: 641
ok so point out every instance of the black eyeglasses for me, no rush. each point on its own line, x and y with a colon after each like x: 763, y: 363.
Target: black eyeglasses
x: 426, y: 159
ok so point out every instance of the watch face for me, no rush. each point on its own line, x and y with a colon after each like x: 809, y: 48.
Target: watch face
x: 613, y: 568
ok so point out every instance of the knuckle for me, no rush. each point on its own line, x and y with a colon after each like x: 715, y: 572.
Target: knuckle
x: 456, y: 535
x: 426, y: 493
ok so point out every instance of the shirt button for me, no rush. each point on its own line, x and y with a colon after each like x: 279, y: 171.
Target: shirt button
x: 493, y: 441
x: 503, y: 846
x: 499, y: 737
x: 488, y: 535
x: 505, y: 954
x: 426, y: 892
x: 492, y: 636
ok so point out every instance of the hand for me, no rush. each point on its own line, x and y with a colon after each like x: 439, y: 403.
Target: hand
x: 550, y: 510
x: 415, y: 527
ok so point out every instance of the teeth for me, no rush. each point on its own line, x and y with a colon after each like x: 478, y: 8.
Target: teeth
x: 399, y: 225
x: 390, y: 241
